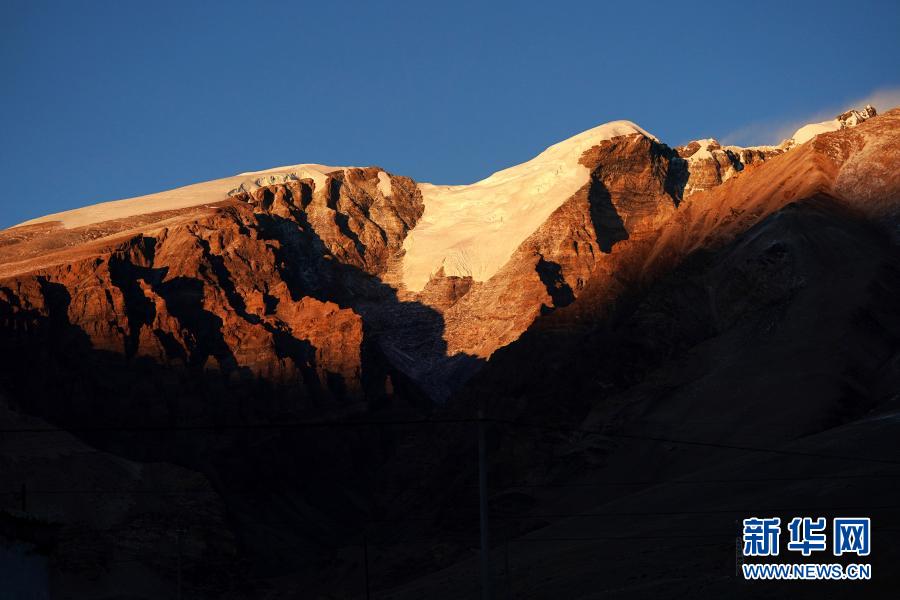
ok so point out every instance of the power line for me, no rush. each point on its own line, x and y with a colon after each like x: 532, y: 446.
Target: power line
x: 474, y: 541
x: 213, y: 427
x: 704, y: 444
x: 254, y: 491
x: 748, y: 511
x: 686, y: 536
x: 524, y: 516
x: 698, y: 481
x: 349, y: 424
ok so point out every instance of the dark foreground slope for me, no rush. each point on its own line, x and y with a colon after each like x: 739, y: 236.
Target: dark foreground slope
x: 744, y: 362
x: 758, y: 380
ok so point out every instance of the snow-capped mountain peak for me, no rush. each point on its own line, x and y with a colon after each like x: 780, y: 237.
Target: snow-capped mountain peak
x: 472, y: 230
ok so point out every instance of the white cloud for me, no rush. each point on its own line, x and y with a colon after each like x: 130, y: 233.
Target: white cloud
x: 883, y: 99
x: 775, y: 130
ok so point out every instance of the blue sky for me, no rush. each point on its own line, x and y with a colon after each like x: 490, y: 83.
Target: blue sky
x: 105, y: 100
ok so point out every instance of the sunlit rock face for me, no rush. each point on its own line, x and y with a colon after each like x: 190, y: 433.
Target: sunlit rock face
x: 297, y: 274
x: 260, y: 286
x: 310, y: 277
x: 710, y: 164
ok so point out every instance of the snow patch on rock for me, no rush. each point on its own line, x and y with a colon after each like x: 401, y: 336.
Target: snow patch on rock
x: 851, y: 118
x: 808, y: 132
x: 705, y: 151
x: 257, y: 179
x: 198, y: 194
x: 384, y: 184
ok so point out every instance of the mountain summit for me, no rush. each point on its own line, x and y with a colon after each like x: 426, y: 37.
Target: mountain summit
x: 445, y: 275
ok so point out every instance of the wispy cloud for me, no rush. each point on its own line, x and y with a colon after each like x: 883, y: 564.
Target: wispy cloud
x: 773, y: 131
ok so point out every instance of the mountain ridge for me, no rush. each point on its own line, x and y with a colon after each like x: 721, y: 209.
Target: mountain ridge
x: 194, y: 337
x: 221, y: 188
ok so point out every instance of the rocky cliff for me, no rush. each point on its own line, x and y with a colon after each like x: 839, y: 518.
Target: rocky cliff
x: 302, y: 281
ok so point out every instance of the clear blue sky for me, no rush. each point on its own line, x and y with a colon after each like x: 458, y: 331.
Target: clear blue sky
x: 104, y: 100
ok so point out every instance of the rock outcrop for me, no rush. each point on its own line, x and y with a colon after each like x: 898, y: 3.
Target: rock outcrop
x: 635, y: 184
x: 261, y: 287
x: 709, y: 164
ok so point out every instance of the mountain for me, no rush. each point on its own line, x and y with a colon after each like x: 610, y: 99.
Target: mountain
x: 613, y: 287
